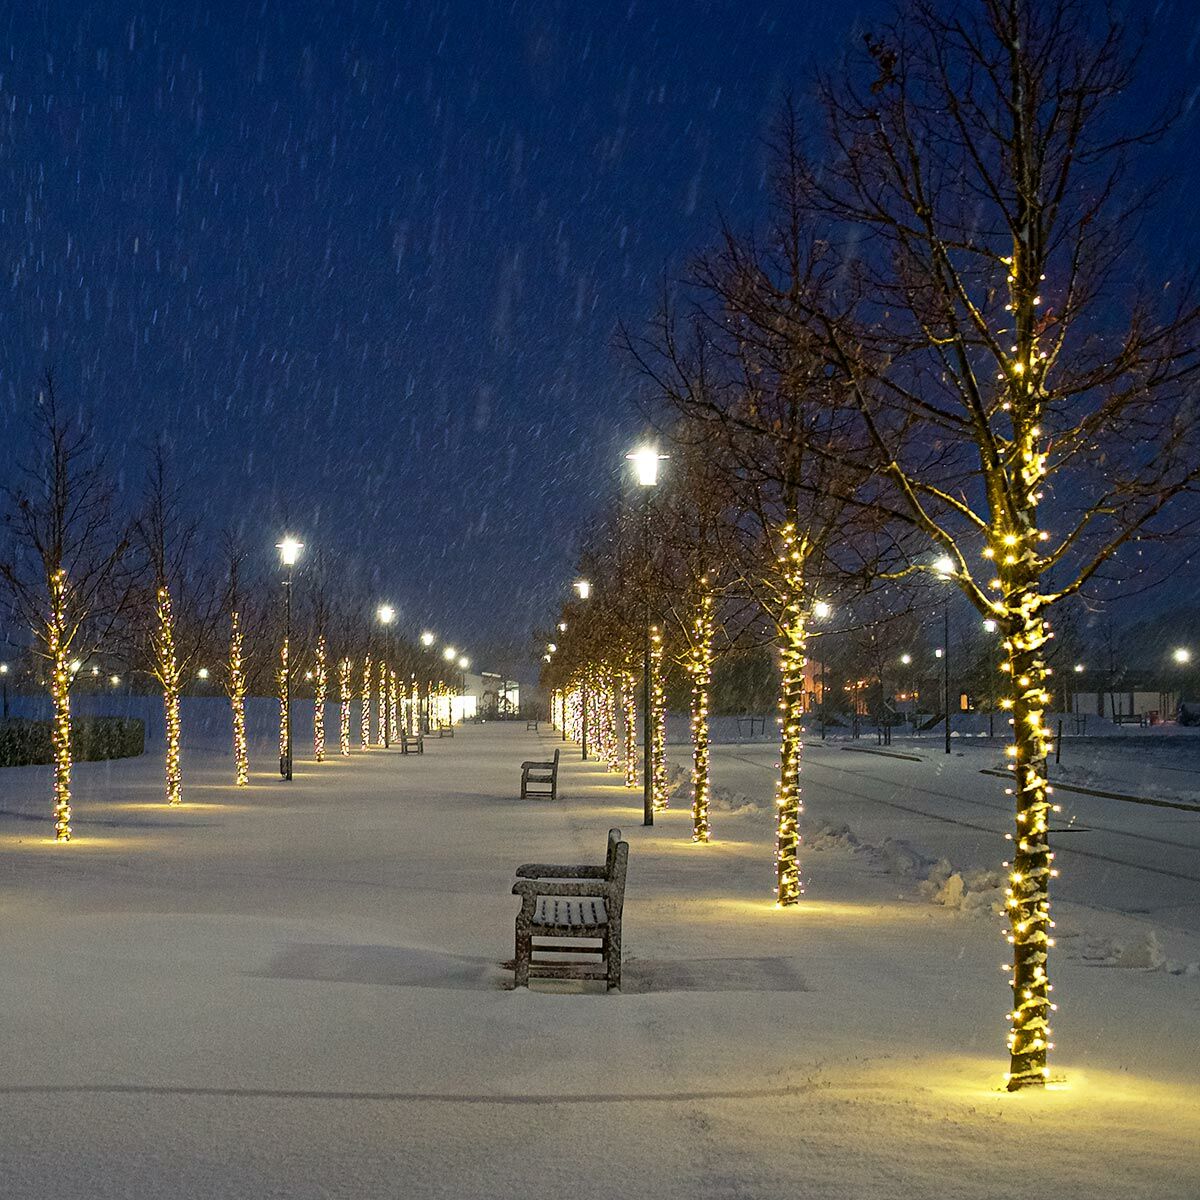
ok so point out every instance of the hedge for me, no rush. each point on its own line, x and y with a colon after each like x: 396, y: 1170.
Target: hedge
x: 28, y: 743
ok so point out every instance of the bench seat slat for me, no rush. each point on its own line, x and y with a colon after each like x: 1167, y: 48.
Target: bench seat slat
x: 570, y: 912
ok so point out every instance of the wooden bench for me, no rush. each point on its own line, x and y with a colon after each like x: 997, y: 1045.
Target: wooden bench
x: 410, y: 744
x: 572, y: 903
x: 445, y: 731
x: 531, y: 725
x: 544, y: 775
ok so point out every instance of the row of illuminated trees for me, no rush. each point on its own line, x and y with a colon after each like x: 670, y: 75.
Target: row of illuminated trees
x: 97, y: 595
x: 939, y: 358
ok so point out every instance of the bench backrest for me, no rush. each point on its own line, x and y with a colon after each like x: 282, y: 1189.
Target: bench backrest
x: 556, y: 754
x: 615, y: 867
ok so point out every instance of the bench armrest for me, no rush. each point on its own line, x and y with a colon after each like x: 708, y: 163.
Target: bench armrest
x: 558, y: 871
x: 533, y: 888
x: 545, y: 766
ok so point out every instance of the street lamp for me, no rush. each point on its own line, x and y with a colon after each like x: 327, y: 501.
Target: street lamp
x: 387, y: 615
x: 583, y: 588
x: 202, y: 674
x: 821, y: 610
x: 1182, y: 655
x: 427, y: 639
x: 289, y: 551
x: 645, y: 462
x: 944, y: 566
x: 4, y: 682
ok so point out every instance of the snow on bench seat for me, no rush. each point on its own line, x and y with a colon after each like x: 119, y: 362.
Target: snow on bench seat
x: 570, y: 913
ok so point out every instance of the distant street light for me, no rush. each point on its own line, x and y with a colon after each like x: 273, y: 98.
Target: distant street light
x: 552, y: 647
x: 1182, y: 655
x: 115, y: 680
x: 989, y: 626
x: 584, y: 588
x: 449, y: 654
x: 4, y: 680
x: 821, y: 610
x: 387, y: 615
x: 464, y: 663
x: 1080, y: 668
x: 427, y: 639
x: 562, y: 627
x: 202, y: 673
x: 906, y: 659
x: 645, y: 460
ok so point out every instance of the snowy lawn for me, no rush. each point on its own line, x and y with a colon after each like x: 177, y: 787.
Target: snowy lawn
x: 297, y: 991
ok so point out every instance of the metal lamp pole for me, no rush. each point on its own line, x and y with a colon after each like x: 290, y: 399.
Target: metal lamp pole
x: 946, y: 664
x: 286, y: 771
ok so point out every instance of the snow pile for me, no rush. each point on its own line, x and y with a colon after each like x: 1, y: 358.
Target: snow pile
x: 964, y: 891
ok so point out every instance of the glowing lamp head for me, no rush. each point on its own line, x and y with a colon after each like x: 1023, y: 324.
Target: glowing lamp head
x: 989, y: 625
x: 449, y: 654
x: 583, y: 588
x: 1182, y: 655
x: 386, y: 614
x: 202, y: 673
x: 944, y: 566
x: 939, y: 652
x: 645, y: 461
x: 821, y: 610
x: 289, y: 550
x: 562, y: 627
x: 1080, y: 668
x: 114, y: 680
x: 427, y: 639
x: 464, y: 663
x: 906, y: 659
x: 3, y: 668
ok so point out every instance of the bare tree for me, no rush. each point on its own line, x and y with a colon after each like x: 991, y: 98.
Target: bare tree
x: 1025, y: 389
x: 181, y: 615
x: 65, y: 569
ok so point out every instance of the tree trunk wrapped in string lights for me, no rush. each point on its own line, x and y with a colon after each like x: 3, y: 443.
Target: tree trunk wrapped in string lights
x: 166, y: 668
x: 658, y: 722
x: 364, y: 720
x: 788, y: 803
x: 284, y: 711
x: 320, y: 686
x: 381, y: 704
x: 237, y: 700
x: 345, y: 694
x: 60, y: 695
x: 629, y: 732
x: 700, y: 669
x: 1028, y: 891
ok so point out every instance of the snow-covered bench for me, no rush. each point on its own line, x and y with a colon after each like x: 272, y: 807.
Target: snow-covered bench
x: 410, y: 744
x: 573, y: 903
x: 544, y: 777
x: 531, y: 724
x: 445, y: 730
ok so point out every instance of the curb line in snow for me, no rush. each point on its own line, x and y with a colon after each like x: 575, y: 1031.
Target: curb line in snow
x: 882, y: 753
x: 1074, y: 787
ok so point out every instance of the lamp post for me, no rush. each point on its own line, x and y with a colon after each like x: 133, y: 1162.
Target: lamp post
x: 387, y: 615
x: 944, y: 567
x: 645, y: 462
x: 449, y: 654
x: 583, y: 589
x: 4, y: 684
x: 289, y: 551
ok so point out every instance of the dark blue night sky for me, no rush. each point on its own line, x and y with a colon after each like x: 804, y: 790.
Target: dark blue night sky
x: 362, y: 263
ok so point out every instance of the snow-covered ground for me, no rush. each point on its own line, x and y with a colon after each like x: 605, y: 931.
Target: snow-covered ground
x: 297, y: 990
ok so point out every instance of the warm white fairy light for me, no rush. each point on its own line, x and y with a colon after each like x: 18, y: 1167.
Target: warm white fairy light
x: 282, y: 681
x: 788, y: 803
x: 381, y: 702
x: 393, y: 723
x: 365, y: 706
x: 700, y: 669
x: 60, y: 695
x: 658, y: 722
x: 629, y: 698
x: 167, y: 669
x: 320, y: 685
x: 237, y: 700
x: 345, y: 694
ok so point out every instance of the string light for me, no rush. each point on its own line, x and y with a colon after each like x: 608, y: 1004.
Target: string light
x: 629, y: 697
x: 344, y: 694
x: 788, y: 803
x: 60, y: 694
x: 320, y: 683
x: 237, y: 700
x: 658, y: 723
x: 393, y: 727
x: 166, y: 665
x: 700, y: 668
x: 365, y: 707
x: 284, y: 669
x: 381, y: 702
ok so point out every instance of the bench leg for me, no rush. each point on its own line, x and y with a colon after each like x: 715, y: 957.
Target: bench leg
x: 524, y: 951
x: 612, y: 959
